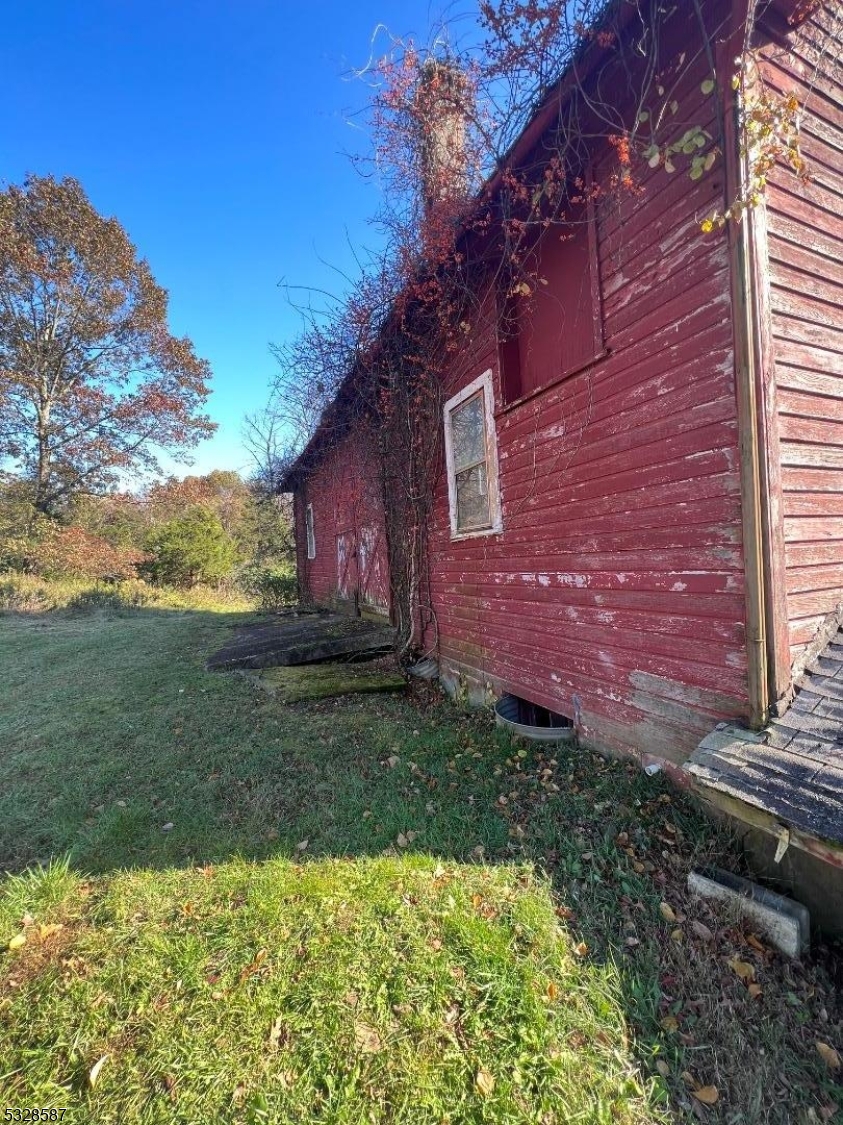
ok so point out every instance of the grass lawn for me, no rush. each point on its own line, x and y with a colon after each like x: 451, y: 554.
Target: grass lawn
x: 368, y: 910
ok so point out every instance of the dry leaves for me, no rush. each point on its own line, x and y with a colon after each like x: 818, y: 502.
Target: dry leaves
x: 743, y: 969
x: 367, y: 1038
x: 701, y: 931
x: 667, y: 912
x: 253, y: 965
x: 277, y: 1034
x: 484, y: 1081
x: 828, y: 1055
x: 94, y: 1072
x: 708, y: 1095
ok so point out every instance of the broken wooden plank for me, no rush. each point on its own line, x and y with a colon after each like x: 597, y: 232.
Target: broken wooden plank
x: 315, y: 638
x: 326, y: 681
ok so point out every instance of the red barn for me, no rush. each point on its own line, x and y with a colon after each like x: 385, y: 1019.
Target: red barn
x: 638, y: 516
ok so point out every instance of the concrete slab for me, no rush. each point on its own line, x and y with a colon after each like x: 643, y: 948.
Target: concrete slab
x: 785, y: 923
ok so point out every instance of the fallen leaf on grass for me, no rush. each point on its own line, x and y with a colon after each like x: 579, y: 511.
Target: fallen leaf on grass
x: 669, y: 1023
x: 743, y: 969
x: 94, y: 1072
x: 367, y: 1039
x: 754, y: 990
x: 667, y: 912
x: 708, y: 1095
x: 701, y: 931
x: 17, y: 941
x: 484, y: 1081
x: 552, y: 991
x: 663, y: 1068
x: 581, y: 949
x: 828, y: 1055
x: 253, y: 965
x: 277, y: 1033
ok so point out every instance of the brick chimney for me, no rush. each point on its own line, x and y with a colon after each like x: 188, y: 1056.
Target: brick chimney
x: 442, y: 106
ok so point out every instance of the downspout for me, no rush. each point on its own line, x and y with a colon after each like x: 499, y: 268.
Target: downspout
x: 745, y: 308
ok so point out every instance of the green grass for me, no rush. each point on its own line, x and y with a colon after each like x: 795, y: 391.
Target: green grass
x: 349, y: 911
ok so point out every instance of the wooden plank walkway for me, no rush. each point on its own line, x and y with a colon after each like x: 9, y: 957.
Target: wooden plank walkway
x: 793, y: 769
x: 303, y: 638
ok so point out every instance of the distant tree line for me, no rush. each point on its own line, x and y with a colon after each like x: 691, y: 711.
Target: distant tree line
x: 198, y: 530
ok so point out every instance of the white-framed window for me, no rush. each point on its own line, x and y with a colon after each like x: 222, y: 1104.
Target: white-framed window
x: 471, y: 454
x: 311, y: 535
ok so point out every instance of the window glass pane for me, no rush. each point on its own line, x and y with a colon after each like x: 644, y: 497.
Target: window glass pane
x: 467, y: 425
x: 311, y: 538
x: 473, y: 498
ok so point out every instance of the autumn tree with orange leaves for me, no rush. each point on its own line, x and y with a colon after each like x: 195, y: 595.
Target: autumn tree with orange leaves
x: 92, y: 383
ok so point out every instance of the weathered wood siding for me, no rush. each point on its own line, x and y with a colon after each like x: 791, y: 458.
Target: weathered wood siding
x: 615, y: 592
x: 348, y: 521
x: 805, y: 236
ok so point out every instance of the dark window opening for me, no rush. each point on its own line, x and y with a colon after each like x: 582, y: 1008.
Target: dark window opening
x: 550, y: 324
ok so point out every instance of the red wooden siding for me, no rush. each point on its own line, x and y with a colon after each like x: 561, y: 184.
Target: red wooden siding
x: 348, y: 522
x: 615, y: 592
x: 805, y: 234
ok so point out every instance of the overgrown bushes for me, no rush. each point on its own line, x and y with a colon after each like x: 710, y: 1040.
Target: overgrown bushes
x: 190, y: 549
x: 120, y: 550
x: 272, y: 587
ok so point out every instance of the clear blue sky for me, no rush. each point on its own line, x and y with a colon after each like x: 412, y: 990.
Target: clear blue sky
x: 215, y: 131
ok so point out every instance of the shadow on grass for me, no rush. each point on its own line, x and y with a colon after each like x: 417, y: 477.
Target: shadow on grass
x: 121, y: 751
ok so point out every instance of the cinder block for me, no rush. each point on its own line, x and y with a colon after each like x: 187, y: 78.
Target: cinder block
x: 785, y: 923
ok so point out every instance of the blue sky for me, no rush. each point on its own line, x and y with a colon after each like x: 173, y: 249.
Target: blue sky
x: 216, y: 132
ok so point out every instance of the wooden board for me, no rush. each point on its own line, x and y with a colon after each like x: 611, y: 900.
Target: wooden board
x: 792, y: 771
x: 307, y: 639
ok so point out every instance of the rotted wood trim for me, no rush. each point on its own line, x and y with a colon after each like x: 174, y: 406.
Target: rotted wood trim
x: 754, y: 817
x: 744, y: 314
x: 771, y: 494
